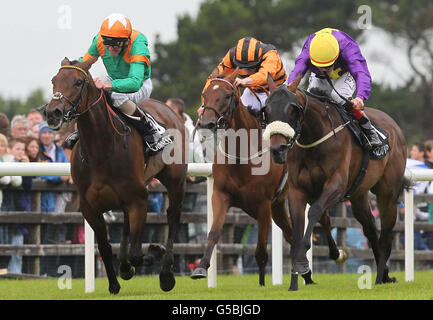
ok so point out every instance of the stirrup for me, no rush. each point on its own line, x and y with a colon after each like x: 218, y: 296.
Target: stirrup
x: 373, y: 138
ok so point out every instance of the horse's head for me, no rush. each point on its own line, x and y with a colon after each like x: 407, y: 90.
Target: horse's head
x: 284, y: 115
x: 70, y: 92
x: 220, y: 98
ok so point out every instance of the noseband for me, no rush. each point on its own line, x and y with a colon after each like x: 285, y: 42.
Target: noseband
x: 222, y: 122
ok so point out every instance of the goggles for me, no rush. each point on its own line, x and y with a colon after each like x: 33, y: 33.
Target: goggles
x: 114, y: 42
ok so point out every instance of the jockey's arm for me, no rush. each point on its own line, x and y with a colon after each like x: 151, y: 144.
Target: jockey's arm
x: 271, y: 64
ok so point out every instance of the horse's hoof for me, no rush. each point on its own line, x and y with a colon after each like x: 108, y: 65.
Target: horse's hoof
x: 199, y: 273
x: 166, y: 281
x: 390, y: 280
x: 114, y: 289
x: 342, y: 256
x: 307, y: 278
x: 128, y: 274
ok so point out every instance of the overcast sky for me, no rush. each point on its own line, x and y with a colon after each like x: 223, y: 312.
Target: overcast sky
x: 37, y: 35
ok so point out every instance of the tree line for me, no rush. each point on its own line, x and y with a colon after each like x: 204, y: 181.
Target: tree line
x: 180, y: 67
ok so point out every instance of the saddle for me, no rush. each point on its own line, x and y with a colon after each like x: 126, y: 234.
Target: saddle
x: 353, y: 126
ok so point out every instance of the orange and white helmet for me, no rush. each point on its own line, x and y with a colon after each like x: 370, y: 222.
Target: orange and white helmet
x: 116, y: 25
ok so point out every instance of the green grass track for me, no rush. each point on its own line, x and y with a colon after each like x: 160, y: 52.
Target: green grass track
x: 229, y: 287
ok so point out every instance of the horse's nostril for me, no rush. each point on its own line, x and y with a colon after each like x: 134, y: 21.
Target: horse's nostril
x: 57, y: 113
x: 283, y: 148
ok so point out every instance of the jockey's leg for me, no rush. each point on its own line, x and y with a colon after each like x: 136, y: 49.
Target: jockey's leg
x: 345, y: 85
x: 367, y: 128
x: 144, y: 123
x: 255, y: 103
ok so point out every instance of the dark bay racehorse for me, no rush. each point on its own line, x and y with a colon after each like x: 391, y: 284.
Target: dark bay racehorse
x: 321, y: 173
x: 236, y: 184
x: 110, y: 170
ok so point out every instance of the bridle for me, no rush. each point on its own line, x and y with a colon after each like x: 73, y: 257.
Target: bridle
x: 222, y: 122
x: 73, y: 113
x: 291, y: 102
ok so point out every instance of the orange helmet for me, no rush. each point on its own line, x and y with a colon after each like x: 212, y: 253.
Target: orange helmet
x: 116, y: 25
x: 248, y: 53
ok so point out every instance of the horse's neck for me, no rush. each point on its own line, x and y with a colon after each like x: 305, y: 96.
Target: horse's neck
x: 96, y: 132
x: 317, y: 122
x: 243, y: 119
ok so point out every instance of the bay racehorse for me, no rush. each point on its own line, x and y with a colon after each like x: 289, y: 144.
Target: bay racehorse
x: 324, y: 161
x: 245, y: 178
x: 111, y: 171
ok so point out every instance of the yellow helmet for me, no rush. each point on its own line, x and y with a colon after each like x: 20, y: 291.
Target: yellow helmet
x: 324, y: 48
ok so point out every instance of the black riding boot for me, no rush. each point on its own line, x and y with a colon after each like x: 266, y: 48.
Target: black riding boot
x: 71, y: 140
x: 154, y: 135
x: 370, y: 132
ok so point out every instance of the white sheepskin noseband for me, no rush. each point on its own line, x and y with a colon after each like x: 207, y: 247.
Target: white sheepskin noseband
x: 278, y: 127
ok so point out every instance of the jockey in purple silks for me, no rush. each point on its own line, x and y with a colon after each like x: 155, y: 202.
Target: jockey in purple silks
x: 339, y: 70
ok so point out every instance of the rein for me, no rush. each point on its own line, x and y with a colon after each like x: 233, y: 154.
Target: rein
x: 223, y: 118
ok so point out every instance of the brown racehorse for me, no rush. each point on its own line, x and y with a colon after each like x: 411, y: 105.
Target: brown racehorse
x: 322, y: 174
x: 110, y: 170
x: 236, y: 184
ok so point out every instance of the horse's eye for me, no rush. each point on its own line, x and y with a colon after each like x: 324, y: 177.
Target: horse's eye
x: 78, y: 83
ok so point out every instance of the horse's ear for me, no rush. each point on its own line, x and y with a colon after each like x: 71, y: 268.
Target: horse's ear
x: 293, y: 86
x: 88, y: 63
x: 65, y: 62
x: 271, y: 83
x: 231, y: 78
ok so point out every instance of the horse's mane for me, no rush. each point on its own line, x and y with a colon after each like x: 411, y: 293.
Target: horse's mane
x: 107, y: 94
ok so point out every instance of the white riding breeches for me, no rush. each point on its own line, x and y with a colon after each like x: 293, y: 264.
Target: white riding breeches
x: 249, y: 99
x: 345, y: 85
x: 120, y: 98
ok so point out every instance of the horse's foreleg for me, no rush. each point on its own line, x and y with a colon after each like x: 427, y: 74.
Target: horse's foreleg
x: 220, y: 205
x: 263, y: 222
x: 126, y: 270
x: 333, y: 192
x: 137, y: 214
x: 280, y: 216
x: 297, y: 205
x: 97, y: 223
